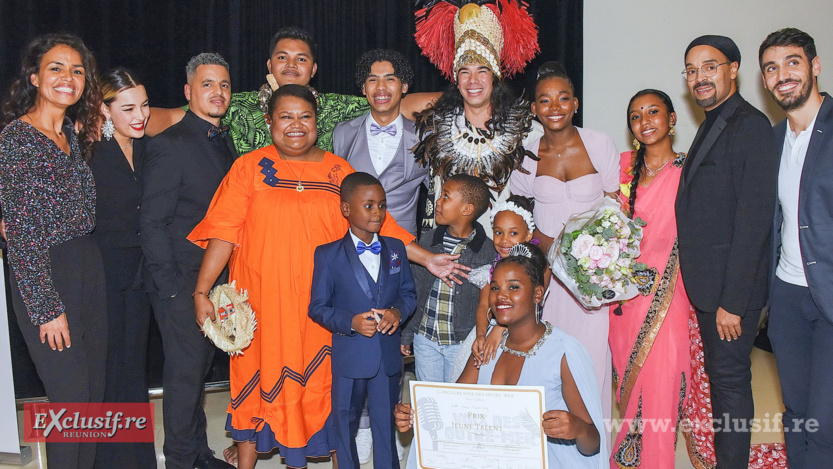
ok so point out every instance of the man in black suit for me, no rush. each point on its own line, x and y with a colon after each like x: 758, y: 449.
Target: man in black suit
x: 725, y: 205
x: 184, y: 166
x: 801, y: 299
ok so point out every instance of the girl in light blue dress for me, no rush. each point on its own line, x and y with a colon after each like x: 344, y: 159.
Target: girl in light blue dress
x: 534, y: 353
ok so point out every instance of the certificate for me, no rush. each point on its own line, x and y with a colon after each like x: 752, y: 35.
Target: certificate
x: 461, y: 426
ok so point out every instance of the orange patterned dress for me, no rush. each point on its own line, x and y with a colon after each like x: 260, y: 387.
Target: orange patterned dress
x: 280, y: 386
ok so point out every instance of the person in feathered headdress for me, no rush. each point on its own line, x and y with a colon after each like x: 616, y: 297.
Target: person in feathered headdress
x: 477, y: 126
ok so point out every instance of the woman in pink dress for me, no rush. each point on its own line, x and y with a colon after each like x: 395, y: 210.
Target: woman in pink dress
x: 577, y: 168
x: 649, y: 334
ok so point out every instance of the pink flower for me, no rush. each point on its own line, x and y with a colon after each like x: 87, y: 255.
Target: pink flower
x: 604, y: 262
x: 596, y: 253
x: 612, y: 251
x: 582, y: 245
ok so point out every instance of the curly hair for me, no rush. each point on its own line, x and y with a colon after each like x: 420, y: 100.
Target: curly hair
x: 22, y: 95
x: 401, y: 68
x: 639, y: 161
x: 294, y: 32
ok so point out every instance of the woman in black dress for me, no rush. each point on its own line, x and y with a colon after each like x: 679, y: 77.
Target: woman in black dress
x: 117, y: 166
x: 49, y: 122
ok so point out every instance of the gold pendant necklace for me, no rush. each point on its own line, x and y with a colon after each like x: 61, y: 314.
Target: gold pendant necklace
x: 300, y: 186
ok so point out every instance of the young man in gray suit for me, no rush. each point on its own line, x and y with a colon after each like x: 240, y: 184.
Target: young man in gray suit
x: 380, y: 143
x: 801, y: 300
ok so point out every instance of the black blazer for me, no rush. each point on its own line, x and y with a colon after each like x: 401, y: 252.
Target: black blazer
x: 725, y: 206
x: 118, y: 193
x: 182, y: 171
x: 815, y: 203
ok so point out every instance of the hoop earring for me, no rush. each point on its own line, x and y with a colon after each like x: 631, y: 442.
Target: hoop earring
x: 636, y: 144
x: 539, y: 310
x: 108, y: 129
x: 671, y: 131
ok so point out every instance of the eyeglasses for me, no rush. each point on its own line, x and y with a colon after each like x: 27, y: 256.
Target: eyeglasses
x: 708, y: 70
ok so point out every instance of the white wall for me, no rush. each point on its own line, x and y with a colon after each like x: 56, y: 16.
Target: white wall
x: 630, y: 45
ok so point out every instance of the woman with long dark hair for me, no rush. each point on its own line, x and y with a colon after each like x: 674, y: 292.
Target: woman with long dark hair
x: 48, y: 198
x: 117, y: 166
x: 658, y: 390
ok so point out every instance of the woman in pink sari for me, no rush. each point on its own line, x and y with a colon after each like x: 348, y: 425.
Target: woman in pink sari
x: 649, y: 335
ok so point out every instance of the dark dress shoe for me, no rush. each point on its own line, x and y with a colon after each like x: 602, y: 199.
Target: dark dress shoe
x: 210, y: 462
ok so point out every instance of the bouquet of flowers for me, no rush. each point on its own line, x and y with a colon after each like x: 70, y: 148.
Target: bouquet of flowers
x: 234, y: 321
x: 595, y: 255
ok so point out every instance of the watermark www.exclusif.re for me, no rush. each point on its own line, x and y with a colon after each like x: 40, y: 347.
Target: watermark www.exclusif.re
x: 769, y: 423
x: 79, y: 423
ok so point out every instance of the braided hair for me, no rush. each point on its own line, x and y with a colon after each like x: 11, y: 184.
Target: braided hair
x: 639, y: 162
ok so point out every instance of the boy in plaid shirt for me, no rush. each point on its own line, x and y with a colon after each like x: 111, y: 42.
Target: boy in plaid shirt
x: 445, y: 314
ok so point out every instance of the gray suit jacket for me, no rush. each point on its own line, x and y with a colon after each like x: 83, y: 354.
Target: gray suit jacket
x: 814, y: 207
x: 402, y: 177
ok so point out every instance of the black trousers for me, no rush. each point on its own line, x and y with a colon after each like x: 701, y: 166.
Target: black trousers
x: 729, y: 368
x: 75, y: 374
x: 802, y: 340
x: 128, y: 321
x: 188, y: 357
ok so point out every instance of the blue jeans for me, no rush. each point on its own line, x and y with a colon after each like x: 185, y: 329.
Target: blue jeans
x: 434, y: 362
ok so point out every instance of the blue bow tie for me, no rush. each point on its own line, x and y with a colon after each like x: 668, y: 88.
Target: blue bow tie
x: 375, y: 247
x: 388, y: 129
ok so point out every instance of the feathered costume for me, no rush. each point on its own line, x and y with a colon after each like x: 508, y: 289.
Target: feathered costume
x: 501, y: 35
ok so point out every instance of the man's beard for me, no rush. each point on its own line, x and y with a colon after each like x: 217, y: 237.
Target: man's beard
x: 797, y: 98
x: 710, y: 101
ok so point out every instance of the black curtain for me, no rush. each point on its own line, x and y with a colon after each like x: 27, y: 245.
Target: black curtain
x: 156, y: 39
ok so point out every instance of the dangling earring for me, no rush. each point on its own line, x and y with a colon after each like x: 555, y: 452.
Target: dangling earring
x: 671, y: 131
x: 636, y: 144
x: 108, y: 129
x: 538, y: 312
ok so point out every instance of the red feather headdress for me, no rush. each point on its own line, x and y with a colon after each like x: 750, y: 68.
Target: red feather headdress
x: 499, y: 34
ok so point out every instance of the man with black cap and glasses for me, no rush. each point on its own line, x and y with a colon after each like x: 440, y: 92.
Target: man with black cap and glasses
x: 725, y: 206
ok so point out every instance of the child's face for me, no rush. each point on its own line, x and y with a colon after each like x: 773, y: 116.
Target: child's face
x: 365, y: 210
x: 451, y: 207
x: 512, y: 296
x: 508, y: 230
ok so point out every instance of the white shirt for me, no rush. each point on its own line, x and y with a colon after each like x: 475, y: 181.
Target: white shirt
x: 790, y: 266
x: 369, y: 260
x: 382, y: 147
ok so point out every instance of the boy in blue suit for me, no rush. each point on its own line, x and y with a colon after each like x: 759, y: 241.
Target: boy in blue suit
x: 362, y: 290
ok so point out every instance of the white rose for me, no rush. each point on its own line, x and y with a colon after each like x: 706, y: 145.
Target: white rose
x: 625, y: 230
x: 596, y: 253
x: 604, y: 262
x: 581, y: 246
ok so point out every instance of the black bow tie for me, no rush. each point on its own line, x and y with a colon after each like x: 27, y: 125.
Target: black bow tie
x: 215, y: 131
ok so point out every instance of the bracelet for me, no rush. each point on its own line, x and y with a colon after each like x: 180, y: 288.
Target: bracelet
x: 193, y: 295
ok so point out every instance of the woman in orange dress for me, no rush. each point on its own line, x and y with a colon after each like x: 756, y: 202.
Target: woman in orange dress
x: 276, y: 205
x: 269, y: 214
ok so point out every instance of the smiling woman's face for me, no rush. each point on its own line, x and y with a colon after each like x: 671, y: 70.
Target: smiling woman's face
x: 292, y: 125
x: 512, y: 296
